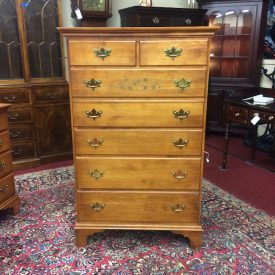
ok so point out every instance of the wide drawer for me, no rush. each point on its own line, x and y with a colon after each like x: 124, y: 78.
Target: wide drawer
x: 133, y: 113
x: 139, y: 142
x: 138, y: 173
x: 6, y: 187
x: 4, y: 141
x: 174, y: 52
x: 20, y: 115
x: 5, y: 163
x: 138, y: 83
x: 50, y: 94
x: 102, y: 53
x: 171, y: 207
x: 23, y: 150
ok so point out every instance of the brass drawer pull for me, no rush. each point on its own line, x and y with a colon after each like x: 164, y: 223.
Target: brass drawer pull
x: 181, y: 114
x: 156, y: 20
x: 96, y: 174
x: 188, y: 21
x: 13, y: 116
x: 177, y: 207
x: 95, y: 142
x: 102, y: 53
x: 179, y: 175
x: 173, y: 52
x: 92, y: 83
x: 180, y: 143
x: 183, y: 83
x: 10, y: 99
x: 4, y: 189
x: 51, y: 96
x: 15, y: 135
x: 97, y: 206
x: 2, y: 165
x: 94, y: 114
x: 18, y: 152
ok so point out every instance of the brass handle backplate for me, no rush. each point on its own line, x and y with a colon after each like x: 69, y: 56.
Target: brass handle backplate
x: 92, y: 83
x: 94, y: 114
x: 156, y: 20
x: 183, y: 83
x: 97, y: 206
x: 177, y: 207
x: 95, y: 142
x: 173, y: 52
x: 2, y: 165
x: 179, y: 175
x: 4, y: 188
x: 180, y: 143
x: 102, y: 53
x: 188, y: 21
x: 181, y: 114
x: 96, y: 174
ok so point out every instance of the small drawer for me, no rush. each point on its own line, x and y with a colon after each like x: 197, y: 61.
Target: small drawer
x: 20, y: 115
x: 173, y: 53
x: 155, y: 20
x: 3, y: 122
x: 50, y: 94
x: 138, y: 83
x: 169, y: 207
x: 237, y: 114
x: 23, y: 150
x: 138, y: 142
x: 265, y: 117
x: 4, y: 141
x: 102, y: 53
x: 131, y: 113
x: 15, y: 97
x: 24, y: 132
x: 138, y: 173
x: 5, y: 164
x: 6, y: 187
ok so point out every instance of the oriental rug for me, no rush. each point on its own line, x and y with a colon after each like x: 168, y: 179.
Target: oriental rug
x: 237, y: 238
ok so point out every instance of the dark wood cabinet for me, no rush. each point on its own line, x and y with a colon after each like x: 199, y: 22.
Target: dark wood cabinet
x: 236, y: 52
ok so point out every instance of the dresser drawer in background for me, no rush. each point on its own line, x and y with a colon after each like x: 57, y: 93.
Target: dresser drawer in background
x: 23, y: 150
x: 15, y: 96
x: 6, y: 187
x: 23, y: 132
x: 50, y: 94
x: 5, y: 164
x: 237, y: 114
x: 102, y: 53
x: 139, y: 142
x: 173, y: 53
x: 131, y: 113
x: 19, y: 115
x: 4, y: 141
x: 138, y: 173
x: 172, y: 207
x: 138, y: 83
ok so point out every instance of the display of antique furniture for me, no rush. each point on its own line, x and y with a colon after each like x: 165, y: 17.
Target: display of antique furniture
x: 138, y: 98
x: 8, y: 196
x: 32, y: 80
x: 139, y: 16
x: 236, y: 52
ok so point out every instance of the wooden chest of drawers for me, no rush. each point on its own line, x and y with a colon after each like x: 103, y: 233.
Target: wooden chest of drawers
x: 138, y: 103
x: 8, y: 196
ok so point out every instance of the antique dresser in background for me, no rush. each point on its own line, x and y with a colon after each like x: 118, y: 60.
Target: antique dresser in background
x: 8, y: 196
x: 138, y: 105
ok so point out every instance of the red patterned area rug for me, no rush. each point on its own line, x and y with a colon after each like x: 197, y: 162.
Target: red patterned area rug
x: 237, y: 238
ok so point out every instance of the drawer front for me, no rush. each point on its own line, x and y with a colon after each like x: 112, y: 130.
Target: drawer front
x: 21, y: 132
x: 171, y: 207
x: 238, y: 114
x: 180, y: 52
x: 20, y: 115
x: 6, y: 187
x: 5, y: 164
x: 50, y: 94
x: 139, y: 142
x: 4, y: 141
x: 3, y: 122
x: 138, y: 113
x: 102, y: 53
x: 23, y: 150
x: 15, y: 97
x: 138, y: 173
x: 138, y: 83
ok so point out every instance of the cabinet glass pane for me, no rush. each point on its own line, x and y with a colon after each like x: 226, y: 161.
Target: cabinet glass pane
x: 244, y: 22
x: 230, y: 23
x: 41, y: 18
x: 10, y: 56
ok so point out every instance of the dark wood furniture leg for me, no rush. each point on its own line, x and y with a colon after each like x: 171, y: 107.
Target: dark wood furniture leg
x: 253, y: 144
x: 225, y: 148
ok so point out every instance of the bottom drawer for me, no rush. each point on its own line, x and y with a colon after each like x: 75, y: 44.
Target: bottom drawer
x: 23, y: 150
x: 169, y: 207
x: 6, y: 187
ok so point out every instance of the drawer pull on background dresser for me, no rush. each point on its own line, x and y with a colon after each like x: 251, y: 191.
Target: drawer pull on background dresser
x: 181, y: 143
x: 94, y: 114
x: 177, y: 207
x: 93, y: 83
x: 179, y: 175
x: 183, y: 83
x: 156, y: 20
x: 102, y: 53
x: 96, y: 174
x: 11, y: 99
x: 13, y: 116
x: 4, y: 189
x: 173, y: 52
x: 2, y: 165
x: 188, y: 21
x: 97, y: 206
x: 181, y: 114
x: 95, y: 142
x: 51, y: 96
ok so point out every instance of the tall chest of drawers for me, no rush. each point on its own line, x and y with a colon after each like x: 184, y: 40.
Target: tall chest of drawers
x: 138, y: 105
